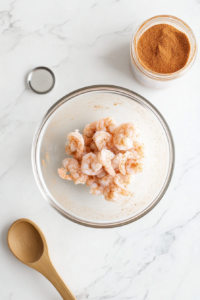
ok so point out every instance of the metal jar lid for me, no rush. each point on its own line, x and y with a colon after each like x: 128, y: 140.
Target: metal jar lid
x: 41, y: 80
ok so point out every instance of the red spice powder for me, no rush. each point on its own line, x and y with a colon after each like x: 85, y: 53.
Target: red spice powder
x: 163, y: 49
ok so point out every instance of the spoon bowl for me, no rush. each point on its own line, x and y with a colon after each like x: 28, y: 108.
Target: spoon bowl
x: 28, y: 244
x: 25, y: 242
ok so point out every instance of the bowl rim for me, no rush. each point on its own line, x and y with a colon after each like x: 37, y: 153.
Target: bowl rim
x: 131, y: 95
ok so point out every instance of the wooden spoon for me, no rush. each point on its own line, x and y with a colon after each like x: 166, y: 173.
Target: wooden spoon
x: 28, y: 244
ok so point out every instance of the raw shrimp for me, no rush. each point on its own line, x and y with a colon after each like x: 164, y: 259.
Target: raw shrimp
x: 115, y: 162
x: 113, y: 192
x: 96, y: 188
x: 103, y: 140
x: 63, y: 175
x: 75, y: 144
x: 115, y: 150
x: 119, y: 161
x: 80, y: 179
x: 72, y: 165
x: 101, y: 159
x: 139, y: 149
x: 90, y: 164
x: 86, y: 150
x: 132, y: 166
x: 123, y: 136
x: 88, y: 131
x: 123, y: 181
x: 87, y: 141
x: 87, y: 135
x: 106, y: 180
x: 104, y: 157
x: 102, y: 174
x: 107, y: 124
x: 111, y: 124
x: 123, y: 158
x: 93, y: 146
x: 90, y: 180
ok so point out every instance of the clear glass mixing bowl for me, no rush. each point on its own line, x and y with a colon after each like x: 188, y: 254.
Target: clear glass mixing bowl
x: 74, y: 111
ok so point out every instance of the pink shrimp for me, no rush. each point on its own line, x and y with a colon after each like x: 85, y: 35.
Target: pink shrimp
x: 75, y: 144
x: 123, y: 136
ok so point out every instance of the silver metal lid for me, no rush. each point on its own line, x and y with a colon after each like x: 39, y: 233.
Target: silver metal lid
x: 41, y: 80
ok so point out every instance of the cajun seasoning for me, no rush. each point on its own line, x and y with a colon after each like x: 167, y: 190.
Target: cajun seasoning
x: 163, y: 49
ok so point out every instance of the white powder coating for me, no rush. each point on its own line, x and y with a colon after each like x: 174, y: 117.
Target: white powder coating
x: 85, y: 109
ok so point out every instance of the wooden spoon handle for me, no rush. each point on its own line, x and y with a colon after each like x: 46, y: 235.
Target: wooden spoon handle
x: 47, y: 269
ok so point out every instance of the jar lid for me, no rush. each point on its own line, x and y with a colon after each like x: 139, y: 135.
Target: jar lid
x: 41, y: 80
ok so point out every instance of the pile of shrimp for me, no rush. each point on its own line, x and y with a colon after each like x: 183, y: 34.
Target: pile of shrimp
x: 105, y: 157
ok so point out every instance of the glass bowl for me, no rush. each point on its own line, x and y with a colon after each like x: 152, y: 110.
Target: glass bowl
x: 74, y: 111
x: 157, y: 80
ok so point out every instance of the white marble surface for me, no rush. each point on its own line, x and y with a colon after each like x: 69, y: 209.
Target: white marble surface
x: 86, y: 43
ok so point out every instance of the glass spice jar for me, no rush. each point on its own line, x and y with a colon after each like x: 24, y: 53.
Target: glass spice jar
x: 148, y: 77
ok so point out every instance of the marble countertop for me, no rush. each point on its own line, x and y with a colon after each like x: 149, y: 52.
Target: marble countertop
x: 87, y: 43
